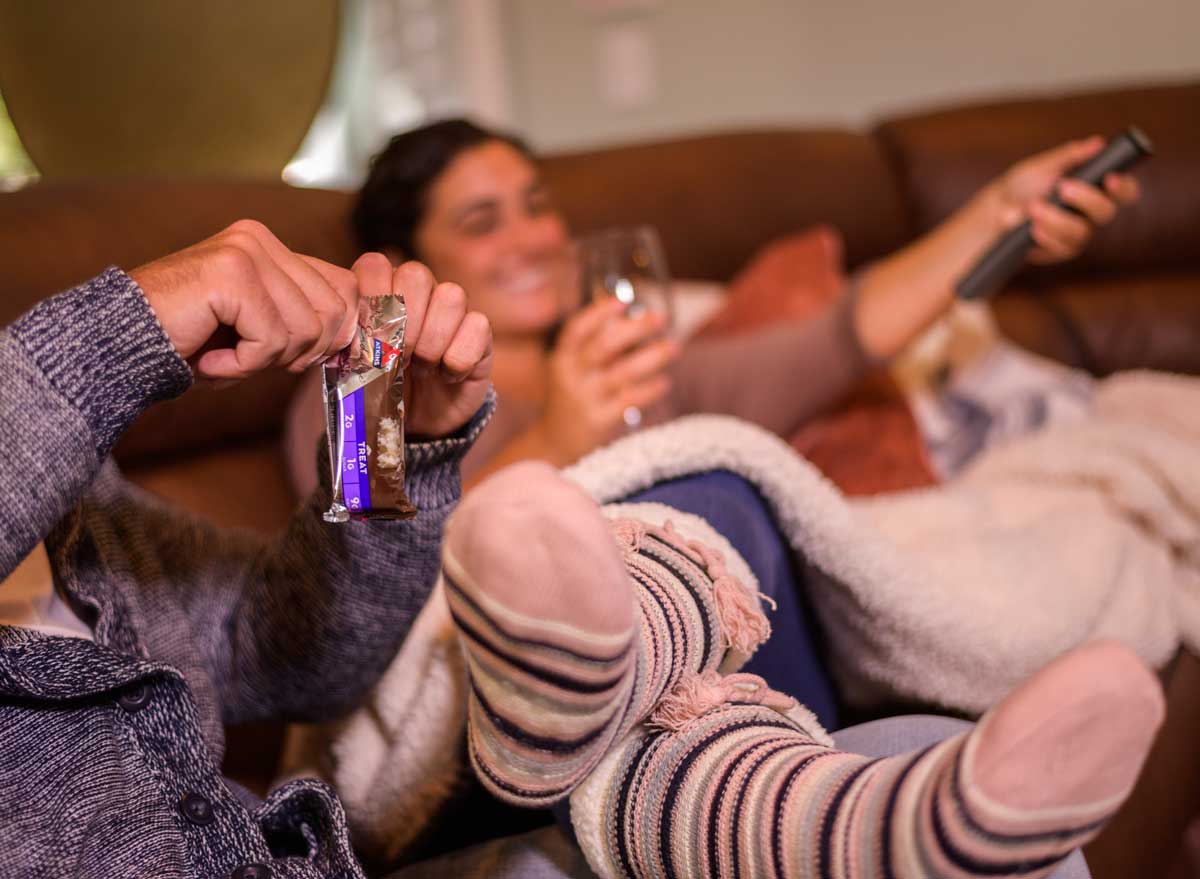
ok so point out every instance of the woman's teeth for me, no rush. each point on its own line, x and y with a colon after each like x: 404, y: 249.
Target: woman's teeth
x: 527, y: 282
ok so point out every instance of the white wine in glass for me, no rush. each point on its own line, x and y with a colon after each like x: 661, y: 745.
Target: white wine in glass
x: 627, y: 263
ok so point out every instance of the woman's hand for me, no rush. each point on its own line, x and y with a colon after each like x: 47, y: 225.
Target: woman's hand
x: 603, y: 364
x: 1024, y: 190
x: 900, y: 295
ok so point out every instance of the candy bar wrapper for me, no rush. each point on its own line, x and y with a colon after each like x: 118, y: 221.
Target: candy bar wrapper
x: 364, y: 409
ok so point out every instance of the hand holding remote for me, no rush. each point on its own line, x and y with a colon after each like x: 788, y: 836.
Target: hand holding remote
x: 1007, y: 256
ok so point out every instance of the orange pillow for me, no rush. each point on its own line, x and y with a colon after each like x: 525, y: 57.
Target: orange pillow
x: 791, y: 278
x: 870, y: 443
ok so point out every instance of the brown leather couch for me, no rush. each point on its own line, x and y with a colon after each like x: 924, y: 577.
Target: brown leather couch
x: 1133, y: 300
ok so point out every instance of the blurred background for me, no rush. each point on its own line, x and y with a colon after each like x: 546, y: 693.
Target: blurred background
x: 843, y: 129
x: 310, y: 88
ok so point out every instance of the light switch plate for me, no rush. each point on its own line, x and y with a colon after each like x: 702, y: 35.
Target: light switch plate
x: 626, y: 67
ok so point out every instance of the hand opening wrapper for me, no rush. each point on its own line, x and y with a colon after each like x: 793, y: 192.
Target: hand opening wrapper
x: 364, y: 417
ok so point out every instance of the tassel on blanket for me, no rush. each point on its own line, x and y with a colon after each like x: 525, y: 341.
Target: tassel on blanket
x: 700, y: 694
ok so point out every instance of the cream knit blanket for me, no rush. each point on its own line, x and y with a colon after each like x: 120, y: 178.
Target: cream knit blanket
x: 952, y: 595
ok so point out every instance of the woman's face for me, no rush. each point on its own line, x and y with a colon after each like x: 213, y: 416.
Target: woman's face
x: 490, y: 226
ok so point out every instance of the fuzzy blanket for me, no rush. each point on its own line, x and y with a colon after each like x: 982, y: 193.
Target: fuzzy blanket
x: 952, y: 595
x: 947, y: 596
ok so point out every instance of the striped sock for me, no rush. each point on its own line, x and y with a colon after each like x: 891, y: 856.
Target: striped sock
x: 742, y: 790
x: 571, y: 636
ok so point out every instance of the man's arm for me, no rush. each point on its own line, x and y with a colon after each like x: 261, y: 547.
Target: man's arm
x: 298, y: 626
x: 78, y: 369
x: 81, y: 366
x: 283, y: 625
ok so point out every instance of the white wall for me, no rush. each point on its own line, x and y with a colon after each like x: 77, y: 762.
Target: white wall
x: 725, y: 63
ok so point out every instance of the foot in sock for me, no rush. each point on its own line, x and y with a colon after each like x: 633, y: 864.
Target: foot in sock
x: 575, y: 627
x: 742, y: 790
x: 572, y: 638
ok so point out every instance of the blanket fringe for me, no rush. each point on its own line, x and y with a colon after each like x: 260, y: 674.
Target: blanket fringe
x: 699, y: 694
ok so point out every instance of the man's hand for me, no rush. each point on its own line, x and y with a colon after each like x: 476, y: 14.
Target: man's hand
x: 241, y: 302
x: 447, y: 349
x: 1023, y: 192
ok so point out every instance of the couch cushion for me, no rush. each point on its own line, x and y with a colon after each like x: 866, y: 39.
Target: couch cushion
x: 870, y: 442
x: 945, y: 156
x: 716, y: 199
x: 53, y: 236
x: 240, y: 485
x: 1110, y: 323
x: 1132, y: 299
x: 790, y: 278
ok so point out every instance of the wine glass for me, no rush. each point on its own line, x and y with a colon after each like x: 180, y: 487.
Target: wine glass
x: 627, y: 262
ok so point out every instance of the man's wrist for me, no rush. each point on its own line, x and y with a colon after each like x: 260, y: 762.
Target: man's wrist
x: 433, y: 478
x: 425, y: 452
x: 102, y: 348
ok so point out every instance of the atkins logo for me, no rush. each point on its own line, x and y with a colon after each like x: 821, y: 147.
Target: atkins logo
x: 382, y: 354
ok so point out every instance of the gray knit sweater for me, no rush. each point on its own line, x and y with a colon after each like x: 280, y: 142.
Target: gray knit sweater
x: 110, y: 751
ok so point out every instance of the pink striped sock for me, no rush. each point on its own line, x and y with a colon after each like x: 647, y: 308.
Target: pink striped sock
x: 572, y: 636
x: 737, y: 789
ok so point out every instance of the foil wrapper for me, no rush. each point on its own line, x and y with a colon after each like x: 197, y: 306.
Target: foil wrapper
x: 364, y: 417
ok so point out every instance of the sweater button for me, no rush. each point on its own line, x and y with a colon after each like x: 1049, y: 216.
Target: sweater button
x: 197, y: 809
x: 251, y: 871
x: 134, y: 698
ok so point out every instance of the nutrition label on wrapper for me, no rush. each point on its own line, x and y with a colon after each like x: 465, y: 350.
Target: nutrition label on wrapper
x: 356, y: 483
x: 364, y: 410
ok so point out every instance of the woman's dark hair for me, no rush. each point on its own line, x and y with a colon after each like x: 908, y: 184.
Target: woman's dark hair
x: 392, y: 202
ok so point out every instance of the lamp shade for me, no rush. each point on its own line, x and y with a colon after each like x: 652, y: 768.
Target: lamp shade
x: 165, y: 87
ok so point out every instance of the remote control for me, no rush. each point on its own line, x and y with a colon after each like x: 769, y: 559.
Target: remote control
x: 1008, y: 254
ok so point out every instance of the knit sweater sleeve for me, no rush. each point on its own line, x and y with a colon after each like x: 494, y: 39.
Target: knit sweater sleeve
x: 299, y: 626
x: 77, y: 369
x: 295, y: 626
